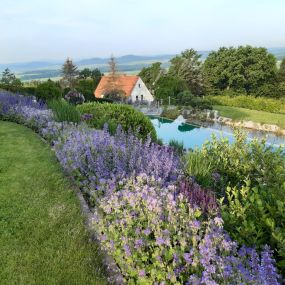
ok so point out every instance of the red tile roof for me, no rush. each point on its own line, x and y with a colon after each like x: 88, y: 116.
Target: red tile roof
x: 125, y: 83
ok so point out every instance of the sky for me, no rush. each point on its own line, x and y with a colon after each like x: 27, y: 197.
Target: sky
x: 33, y: 30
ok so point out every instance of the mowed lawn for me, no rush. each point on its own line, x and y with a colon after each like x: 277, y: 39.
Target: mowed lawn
x: 240, y: 114
x: 42, y: 234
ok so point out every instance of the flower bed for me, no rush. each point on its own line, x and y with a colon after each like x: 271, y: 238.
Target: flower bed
x: 157, y: 230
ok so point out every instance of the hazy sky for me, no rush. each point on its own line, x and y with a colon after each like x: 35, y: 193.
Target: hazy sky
x: 55, y: 29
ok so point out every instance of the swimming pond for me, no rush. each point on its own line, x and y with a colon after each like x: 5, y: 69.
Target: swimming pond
x: 194, y: 136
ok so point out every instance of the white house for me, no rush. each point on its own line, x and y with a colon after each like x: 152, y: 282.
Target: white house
x: 132, y: 86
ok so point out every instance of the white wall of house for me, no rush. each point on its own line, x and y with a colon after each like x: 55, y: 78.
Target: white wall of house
x: 140, y: 92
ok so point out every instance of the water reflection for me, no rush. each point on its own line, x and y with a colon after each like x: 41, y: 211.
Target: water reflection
x: 194, y: 136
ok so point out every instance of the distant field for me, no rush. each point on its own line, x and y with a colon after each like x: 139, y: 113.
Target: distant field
x: 239, y: 114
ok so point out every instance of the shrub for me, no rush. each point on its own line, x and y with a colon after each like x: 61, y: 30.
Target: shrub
x: 256, y: 216
x: 75, y: 98
x: 156, y: 237
x: 241, y: 160
x: 260, y: 103
x: 48, y: 90
x: 118, y: 114
x: 171, y: 114
x: 64, y: 112
x: 185, y: 98
x: 87, y: 87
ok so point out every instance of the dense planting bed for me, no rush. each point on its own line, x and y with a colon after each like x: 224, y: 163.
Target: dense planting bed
x: 42, y: 235
x: 214, y: 216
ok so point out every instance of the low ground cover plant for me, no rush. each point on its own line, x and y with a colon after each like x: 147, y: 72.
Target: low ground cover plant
x: 161, y: 227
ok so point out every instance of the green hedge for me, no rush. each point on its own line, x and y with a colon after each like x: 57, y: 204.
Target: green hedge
x: 254, y: 103
x: 115, y: 114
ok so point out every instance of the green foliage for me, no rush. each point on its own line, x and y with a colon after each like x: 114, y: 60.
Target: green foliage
x: 64, y: 112
x: 9, y: 81
x: 250, y: 102
x: 87, y: 88
x: 243, y: 160
x: 244, y: 68
x: 48, y: 90
x: 118, y: 114
x: 94, y: 74
x: 281, y: 71
x: 188, y: 66
x: 249, y: 178
x: 177, y: 146
x: 169, y: 86
x: 186, y: 98
x: 256, y: 216
x: 196, y: 165
x: 171, y: 114
x: 151, y: 74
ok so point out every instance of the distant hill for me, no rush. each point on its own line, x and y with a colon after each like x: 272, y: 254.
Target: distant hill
x: 127, y: 63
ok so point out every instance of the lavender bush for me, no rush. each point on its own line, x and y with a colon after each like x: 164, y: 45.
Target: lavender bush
x: 99, y: 161
x: 157, y: 237
x: 25, y: 110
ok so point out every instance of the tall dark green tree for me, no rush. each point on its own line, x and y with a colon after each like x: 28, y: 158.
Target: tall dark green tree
x: 10, y: 82
x: 244, y: 68
x: 69, y: 72
x: 150, y: 75
x: 188, y: 66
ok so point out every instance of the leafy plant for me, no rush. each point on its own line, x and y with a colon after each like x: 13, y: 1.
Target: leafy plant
x: 196, y: 165
x: 64, y: 112
x: 118, y: 114
x: 256, y: 216
x: 177, y: 146
x: 48, y: 90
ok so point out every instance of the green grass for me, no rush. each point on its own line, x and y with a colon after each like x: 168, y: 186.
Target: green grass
x: 43, y: 239
x: 239, y: 114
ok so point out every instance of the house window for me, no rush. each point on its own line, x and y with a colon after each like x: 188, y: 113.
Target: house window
x: 139, y: 85
x: 137, y: 98
x: 141, y: 97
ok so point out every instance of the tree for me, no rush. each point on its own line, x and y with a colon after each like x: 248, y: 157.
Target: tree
x: 10, y: 82
x: 84, y: 73
x: 69, y: 72
x: 169, y: 86
x: 113, y: 88
x: 48, y: 90
x: 188, y: 66
x: 150, y: 75
x: 244, y: 68
x: 281, y: 71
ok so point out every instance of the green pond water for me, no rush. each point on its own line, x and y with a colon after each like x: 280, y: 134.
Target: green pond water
x: 194, y: 136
